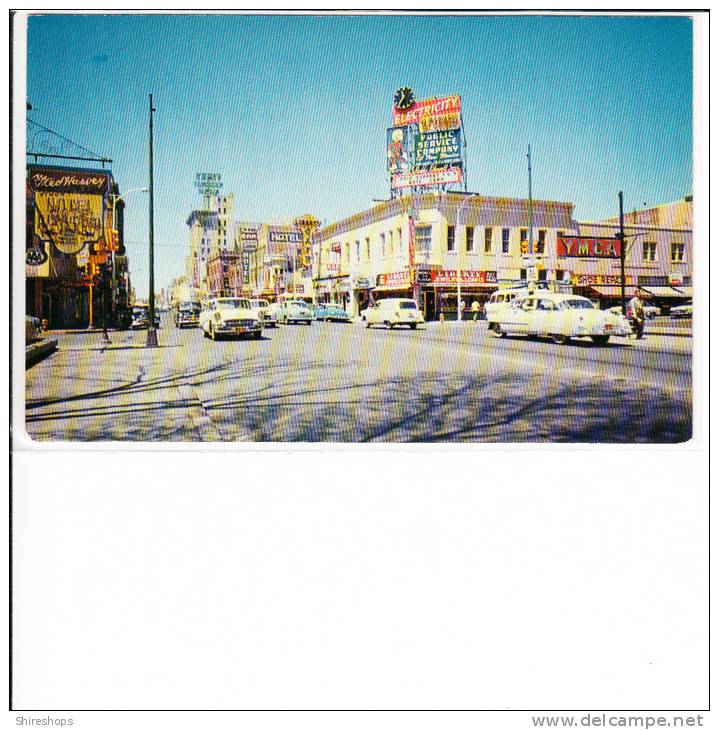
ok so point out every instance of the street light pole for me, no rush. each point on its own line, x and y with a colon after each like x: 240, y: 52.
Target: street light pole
x: 151, y: 332
x: 459, y: 256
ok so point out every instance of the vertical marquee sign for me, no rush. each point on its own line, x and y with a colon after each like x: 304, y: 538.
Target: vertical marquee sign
x: 208, y: 185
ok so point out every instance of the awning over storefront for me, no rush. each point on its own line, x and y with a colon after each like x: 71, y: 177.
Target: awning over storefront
x: 610, y: 291
x: 664, y: 292
x: 391, y: 288
x: 686, y: 291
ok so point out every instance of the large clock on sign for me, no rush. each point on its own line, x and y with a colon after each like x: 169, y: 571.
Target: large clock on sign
x: 403, y: 98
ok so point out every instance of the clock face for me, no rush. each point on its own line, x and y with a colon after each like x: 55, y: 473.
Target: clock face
x: 403, y: 98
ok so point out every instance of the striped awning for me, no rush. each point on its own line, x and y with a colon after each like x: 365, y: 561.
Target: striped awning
x: 664, y: 292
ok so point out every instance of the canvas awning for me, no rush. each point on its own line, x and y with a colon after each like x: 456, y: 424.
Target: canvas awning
x: 664, y: 292
x: 611, y: 290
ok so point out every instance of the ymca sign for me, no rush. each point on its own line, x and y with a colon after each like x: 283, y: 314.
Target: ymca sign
x: 588, y: 247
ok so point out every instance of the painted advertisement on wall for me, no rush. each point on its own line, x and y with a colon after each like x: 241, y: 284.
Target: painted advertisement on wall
x: 69, y: 206
x: 438, y: 148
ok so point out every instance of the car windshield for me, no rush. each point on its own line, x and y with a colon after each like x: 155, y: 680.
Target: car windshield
x: 139, y: 310
x: 233, y: 304
x: 296, y: 304
x: 407, y: 305
x: 259, y: 304
x: 189, y: 308
x: 576, y: 304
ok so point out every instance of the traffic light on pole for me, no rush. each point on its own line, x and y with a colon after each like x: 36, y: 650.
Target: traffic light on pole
x: 524, y: 246
x: 114, y: 240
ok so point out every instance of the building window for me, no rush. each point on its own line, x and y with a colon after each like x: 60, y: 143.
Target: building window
x: 366, y: 249
x: 541, y: 241
x: 469, y: 236
x: 505, y: 240
x: 542, y: 275
x: 423, y: 237
x: 649, y: 251
x: 383, y: 245
x: 399, y: 240
x: 523, y: 233
x: 523, y: 274
x: 391, y: 243
x: 487, y: 240
x: 357, y: 250
x: 450, y: 238
x: 559, y: 275
x: 677, y: 252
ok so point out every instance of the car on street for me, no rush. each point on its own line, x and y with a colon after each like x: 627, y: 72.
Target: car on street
x: 33, y: 330
x: 504, y: 298
x: 393, y: 312
x: 331, y: 313
x: 559, y: 317
x: 141, y: 317
x: 229, y: 316
x: 187, y: 315
x: 682, y: 311
x: 294, y: 311
x: 266, y: 312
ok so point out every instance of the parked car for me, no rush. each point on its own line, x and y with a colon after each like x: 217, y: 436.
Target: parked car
x: 504, y: 298
x: 33, y: 330
x: 331, y: 313
x: 294, y: 310
x: 141, y: 317
x: 187, y: 315
x: 265, y: 311
x: 229, y: 316
x: 682, y: 311
x: 392, y: 312
x: 560, y: 317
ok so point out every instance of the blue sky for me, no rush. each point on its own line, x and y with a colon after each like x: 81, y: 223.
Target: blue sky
x: 292, y: 110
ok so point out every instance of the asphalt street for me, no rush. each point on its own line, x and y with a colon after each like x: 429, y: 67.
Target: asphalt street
x: 445, y: 382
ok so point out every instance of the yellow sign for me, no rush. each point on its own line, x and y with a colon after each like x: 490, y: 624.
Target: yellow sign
x: 69, y: 220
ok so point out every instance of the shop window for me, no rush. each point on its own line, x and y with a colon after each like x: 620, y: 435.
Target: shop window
x: 423, y: 237
x: 649, y: 251
x: 541, y: 241
x: 450, y: 238
x: 505, y: 240
x: 677, y: 252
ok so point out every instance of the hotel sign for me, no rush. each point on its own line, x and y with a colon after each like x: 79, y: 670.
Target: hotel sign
x: 428, y: 177
x: 588, y: 247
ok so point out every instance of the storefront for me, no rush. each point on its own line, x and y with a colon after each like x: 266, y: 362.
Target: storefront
x: 439, y: 296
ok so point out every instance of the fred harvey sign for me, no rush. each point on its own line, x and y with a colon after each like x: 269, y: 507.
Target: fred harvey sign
x: 590, y: 248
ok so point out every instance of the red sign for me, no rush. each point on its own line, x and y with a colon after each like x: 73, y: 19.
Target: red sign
x: 449, y: 276
x: 586, y: 247
x: 59, y: 180
x: 426, y: 107
x: 601, y: 280
x: 399, y: 279
x: 420, y: 178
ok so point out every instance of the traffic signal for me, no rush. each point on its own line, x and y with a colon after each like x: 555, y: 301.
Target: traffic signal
x: 114, y: 240
x: 524, y: 246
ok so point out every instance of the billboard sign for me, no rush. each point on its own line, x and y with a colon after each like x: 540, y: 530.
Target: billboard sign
x: 588, y: 247
x: 431, y: 122
x: 427, y: 108
x: 69, y: 206
x: 438, y: 148
x: 398, y: 149
x: 428, y: 177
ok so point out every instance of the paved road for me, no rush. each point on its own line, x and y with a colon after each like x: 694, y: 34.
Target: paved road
x: 344, y: 383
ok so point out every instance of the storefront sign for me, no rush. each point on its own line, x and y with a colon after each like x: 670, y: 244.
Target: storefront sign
x: 398, y: 279
x: 397, y: 149
x: 61, y: 180
x: 587, y: 247
x: 601, y: 280
x: 363, y: 283
x: 653, y: 281
x: 449, y: 276
x: 422, y: 178
x: 427, y: 108
x: 438, y: 148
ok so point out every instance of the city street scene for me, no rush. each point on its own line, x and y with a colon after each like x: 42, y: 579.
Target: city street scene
x: 357, y: 229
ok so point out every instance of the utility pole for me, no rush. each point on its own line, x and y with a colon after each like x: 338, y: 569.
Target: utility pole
x: 621, y: 253
x: 151, y: 332
x: 531, y: 209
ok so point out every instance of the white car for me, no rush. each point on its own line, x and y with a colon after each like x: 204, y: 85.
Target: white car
x: 683, y: 310
x: 264, y: 311
x: 560, y: 317
x: 393, y: 312
x: 294, y: 310
x: 504, y: 298
x: 229, y: 316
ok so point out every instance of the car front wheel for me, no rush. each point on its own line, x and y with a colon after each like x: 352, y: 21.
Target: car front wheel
x: 600, y: 339
x: 560, y: 339
x: 497, y: 331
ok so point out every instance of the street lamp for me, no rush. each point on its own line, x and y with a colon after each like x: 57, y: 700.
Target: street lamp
x: 459, y: 256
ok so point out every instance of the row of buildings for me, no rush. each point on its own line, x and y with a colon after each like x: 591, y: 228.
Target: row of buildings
x: 419, y: 245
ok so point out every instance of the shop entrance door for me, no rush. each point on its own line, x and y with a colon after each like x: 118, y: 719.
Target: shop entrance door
x: 429, y: 305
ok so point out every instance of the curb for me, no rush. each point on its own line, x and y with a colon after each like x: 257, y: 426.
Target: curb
x: 39, y: 351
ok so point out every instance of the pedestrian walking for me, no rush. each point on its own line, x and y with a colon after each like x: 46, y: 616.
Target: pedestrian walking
x: 475, y: 310
x: 636, y: 314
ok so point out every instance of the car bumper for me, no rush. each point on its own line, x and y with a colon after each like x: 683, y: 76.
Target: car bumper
x: 238, y: 329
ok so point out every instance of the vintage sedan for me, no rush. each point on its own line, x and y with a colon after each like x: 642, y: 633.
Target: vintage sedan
x: 187, y: 315
x: 229, y: 316
x: 141, y: 317
x: 393, y: 312
x: 559, y: 317
x: 682, y: 311
x: 331, y: 313
x: 265, y: 311
x: 294, y: 310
